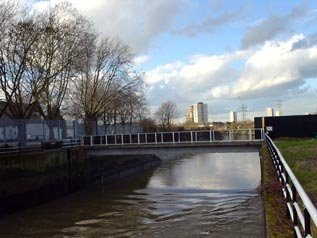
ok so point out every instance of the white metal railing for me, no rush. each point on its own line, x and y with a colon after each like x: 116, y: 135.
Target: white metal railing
x: 300, y: 208
x: 175, y: 137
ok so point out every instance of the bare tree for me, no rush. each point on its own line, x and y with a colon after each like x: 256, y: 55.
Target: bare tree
x: 131, y: 106
x: 20, y: 86
x: 166, y: 114
x: 104, y: 75
x: 8, y: 12
x: 64, y: 36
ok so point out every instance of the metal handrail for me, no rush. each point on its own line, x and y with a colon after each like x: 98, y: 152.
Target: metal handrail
x: 199, y: 136
x: 291, y: 191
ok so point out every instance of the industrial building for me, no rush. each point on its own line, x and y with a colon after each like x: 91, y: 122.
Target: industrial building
x: 288, y: 126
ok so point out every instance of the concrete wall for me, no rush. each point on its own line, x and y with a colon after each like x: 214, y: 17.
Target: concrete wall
x: 32, y: 178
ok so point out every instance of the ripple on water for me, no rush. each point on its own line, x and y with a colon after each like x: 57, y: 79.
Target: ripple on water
x: 89, y: 222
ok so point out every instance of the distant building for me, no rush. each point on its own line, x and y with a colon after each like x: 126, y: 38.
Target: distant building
x: 233, y: 116
x: 270, y: 112
x: 189, y: 114
x: 197, y: 113
x: 278, y: 113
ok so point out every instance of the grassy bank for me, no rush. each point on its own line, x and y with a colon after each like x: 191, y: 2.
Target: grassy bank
x: 301, y: 155
x: 277, y: 223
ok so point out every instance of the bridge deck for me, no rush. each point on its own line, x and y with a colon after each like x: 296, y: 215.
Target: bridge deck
x: 215, y: 147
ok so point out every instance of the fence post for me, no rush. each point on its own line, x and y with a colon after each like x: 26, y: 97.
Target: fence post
x: 74, y: 128
x: 294, y: 199
x: 59, y: 129
x: 155, y: 138
x: 138, y: 138
x: 230, y: 135
x: 173, y: 134
x: 191, y: 137
x: 307, y: 222
x: 250, y: 135
x: 43, y: 125
x: 121, y: 139
x: 91, y: 141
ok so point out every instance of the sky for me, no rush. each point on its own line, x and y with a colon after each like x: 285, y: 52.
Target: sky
x: 220, y: 52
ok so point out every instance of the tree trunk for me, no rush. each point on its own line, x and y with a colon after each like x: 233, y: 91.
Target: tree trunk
x: 89, y: 126
x: 50, y: 125
x: 21, y: 125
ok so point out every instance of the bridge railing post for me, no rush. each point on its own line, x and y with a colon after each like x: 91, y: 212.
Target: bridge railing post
x: 250, y: 135
x: 155, y: 138
x: 230, y: 135
x: 191, y: 137
x: 173, y: 134
x: 138, y: 138
x: 91, y: 141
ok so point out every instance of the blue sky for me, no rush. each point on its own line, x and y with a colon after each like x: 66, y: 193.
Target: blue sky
x: 217, y: 51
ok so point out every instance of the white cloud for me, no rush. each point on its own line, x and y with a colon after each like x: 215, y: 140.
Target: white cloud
x: 137, y: 23
x: 272, y: 26
x: 276, y: 66
x: 141, y: 59
x: 273, y: 70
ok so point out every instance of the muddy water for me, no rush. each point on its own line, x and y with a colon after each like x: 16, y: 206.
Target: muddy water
x: 202, y: 195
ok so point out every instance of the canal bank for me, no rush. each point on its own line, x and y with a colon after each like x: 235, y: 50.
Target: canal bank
x: 278, y: 225
x: 29, y: 179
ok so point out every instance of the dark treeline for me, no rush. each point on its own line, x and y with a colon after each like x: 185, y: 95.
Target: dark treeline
x: 54, y: 64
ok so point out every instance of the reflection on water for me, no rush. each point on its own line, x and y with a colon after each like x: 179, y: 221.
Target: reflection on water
x: 205, y: 195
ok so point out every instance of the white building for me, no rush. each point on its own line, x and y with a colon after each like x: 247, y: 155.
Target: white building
x: 270, y: 112
x: 233, y: 116
x: 189, y: 114
x: 197, y: 113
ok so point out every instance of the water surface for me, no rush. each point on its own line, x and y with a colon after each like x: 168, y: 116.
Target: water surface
x: 203, y: 195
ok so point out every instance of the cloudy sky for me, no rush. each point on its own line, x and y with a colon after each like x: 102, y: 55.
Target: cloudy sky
x: 224, y: 53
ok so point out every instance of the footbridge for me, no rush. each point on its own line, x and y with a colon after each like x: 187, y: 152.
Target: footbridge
x: 165, y: 143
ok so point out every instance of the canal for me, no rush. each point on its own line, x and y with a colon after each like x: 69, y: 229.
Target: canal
x: 201, y: 195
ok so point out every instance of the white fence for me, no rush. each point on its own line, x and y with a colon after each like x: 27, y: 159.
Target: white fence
x: 300, y: 208
x: 175, y: 137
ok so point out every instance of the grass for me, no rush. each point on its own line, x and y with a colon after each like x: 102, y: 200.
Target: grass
x: 278, y: 225
x: 301, y: 156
